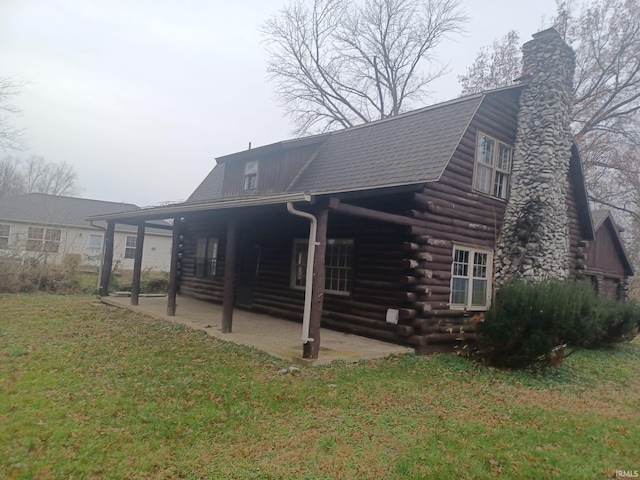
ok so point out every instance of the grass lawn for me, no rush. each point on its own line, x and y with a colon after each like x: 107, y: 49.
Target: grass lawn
x: 91, y: 391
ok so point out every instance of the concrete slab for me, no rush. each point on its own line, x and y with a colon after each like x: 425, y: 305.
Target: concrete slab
x: 278, y: 337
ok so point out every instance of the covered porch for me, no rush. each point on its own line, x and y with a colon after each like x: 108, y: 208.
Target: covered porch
x: 275, y: 336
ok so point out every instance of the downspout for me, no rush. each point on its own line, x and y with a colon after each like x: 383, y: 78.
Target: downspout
x: 101, y: 253
x: 311, y: 253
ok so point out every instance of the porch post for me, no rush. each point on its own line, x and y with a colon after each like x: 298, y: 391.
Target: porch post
x: 107, y: 262
x: 173, y: 272
x: 137, y: 265
x: 311, y: 349
x: 229, y: 277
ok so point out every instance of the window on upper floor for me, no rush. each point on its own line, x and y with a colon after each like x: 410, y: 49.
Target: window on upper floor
x: 4, y: 235
x: 492, y: 167
x: 470, y: 278
x: 130, y: 247
x: 338, y: 265
x: 207, y: 257
x: 251, y: 175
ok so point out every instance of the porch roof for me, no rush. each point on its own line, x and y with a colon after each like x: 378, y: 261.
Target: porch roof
x: 171, y: 211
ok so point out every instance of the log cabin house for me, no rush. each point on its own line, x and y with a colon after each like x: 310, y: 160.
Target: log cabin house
x: 390, y: 229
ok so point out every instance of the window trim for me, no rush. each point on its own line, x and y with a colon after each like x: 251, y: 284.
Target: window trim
x: 250, y: 175
x: 128, y: 248
x: 304, y: 242
x: 4, y: 239
x: 494, y: 167
x: 489, y: 278
x: 92, y: 248
x: 50, y: 238
x: 208, y: 263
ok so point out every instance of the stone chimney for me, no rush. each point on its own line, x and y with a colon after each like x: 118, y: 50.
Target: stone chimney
x: 534, y: 240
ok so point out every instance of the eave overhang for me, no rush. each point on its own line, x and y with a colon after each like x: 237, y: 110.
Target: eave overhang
x: 178, y: 210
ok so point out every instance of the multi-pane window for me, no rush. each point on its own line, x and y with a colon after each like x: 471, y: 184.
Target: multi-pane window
x: 470, y: 277
x: 338, y: 265
x: 95, y: 243
x: 41, y: 239
x: 493, y: 167
x: 130, y: 247
x: 251, y: 175
x: 4, y: 235
x: 206, y: 257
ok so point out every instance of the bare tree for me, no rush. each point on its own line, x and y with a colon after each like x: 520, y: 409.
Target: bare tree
x: 36, y: 175
x: 605, y: 35
x: 339, y: 63
x: 496, y: 66
x: 10, y: 136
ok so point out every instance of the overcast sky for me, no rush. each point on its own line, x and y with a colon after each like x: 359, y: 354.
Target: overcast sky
x: 141, y: 96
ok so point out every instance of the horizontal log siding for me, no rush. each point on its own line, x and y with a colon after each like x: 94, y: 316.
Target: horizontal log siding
x: 577, y: 231
x: 208, y: 289
x: 455, y: 214
x: 376, y: 271
x: 377, y: 268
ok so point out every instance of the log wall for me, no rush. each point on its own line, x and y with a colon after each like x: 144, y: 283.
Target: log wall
x: 455, y: 215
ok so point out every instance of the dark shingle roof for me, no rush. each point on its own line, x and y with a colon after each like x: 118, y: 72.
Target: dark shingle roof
x: 211, y: 186
x: 598, y: 217
x: 411, y: 148
x: 58, y: 210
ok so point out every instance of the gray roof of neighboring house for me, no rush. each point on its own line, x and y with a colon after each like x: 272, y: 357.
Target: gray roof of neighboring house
x: 60, y: 211
x: 411, y: 148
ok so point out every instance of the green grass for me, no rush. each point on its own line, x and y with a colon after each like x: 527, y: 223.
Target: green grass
x: 90, y: 391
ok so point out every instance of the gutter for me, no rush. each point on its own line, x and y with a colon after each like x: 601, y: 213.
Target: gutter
x: 311, y: 253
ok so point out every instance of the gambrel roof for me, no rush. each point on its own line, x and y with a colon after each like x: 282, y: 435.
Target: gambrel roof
x: 407, y: 149
x: 411, y: 148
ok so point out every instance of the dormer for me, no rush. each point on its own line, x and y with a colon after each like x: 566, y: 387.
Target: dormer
x: 269, y: 169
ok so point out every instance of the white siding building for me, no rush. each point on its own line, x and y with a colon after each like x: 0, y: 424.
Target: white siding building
x: 54, y: 229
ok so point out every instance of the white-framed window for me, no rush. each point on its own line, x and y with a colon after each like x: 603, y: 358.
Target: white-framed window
x: 40, y: 239
x: 492, y: 166
x: 251, y: 175
x: 130, y: 246
x: 470, y: 278
x: 206, y: 257
x: 4, y: 235
x: 338, y: 265
x: 94, y: 244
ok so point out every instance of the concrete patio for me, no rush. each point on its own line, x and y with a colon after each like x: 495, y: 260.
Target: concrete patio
x: 278, y: 337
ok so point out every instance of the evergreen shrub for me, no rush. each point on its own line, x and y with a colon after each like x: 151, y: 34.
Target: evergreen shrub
x: 534, y: 322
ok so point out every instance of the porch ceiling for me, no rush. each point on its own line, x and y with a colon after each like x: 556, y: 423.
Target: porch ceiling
x: 275, y: 336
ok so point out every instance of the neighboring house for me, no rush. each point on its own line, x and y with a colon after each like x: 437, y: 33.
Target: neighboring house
x: 54, y: 229
x: 608, y: 265
x: 411, y: 215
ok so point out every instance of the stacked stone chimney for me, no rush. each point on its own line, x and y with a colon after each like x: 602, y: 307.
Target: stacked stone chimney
x: 534, y: 240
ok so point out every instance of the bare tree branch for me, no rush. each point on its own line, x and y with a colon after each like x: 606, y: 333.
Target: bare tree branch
x: 11, y: 137
x: 36, y: 175
x: 339, y: 63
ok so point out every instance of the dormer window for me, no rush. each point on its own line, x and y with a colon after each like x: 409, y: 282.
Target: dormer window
x: 251, y: 175
x: 492, y: 167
